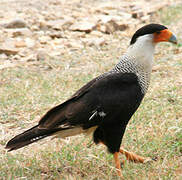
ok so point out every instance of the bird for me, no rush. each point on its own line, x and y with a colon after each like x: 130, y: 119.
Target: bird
x: 104, y: 106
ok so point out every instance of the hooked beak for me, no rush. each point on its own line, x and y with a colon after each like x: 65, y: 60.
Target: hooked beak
x: 173, y: 39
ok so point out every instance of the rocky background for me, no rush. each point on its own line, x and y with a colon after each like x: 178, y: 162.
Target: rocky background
x: 36, y: 30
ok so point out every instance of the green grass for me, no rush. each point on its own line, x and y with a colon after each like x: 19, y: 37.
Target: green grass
x: 26, y: 93
x: 171, y: 14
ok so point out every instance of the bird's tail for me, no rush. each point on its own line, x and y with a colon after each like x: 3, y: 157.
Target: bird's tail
x: 30, y: 136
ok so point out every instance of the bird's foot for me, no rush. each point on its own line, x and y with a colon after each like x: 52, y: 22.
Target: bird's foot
x: 134, y: 157
x: 118, y: 165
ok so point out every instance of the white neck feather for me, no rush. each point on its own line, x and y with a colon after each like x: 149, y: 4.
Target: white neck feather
x: 139, y: 60
x: 142, y: 51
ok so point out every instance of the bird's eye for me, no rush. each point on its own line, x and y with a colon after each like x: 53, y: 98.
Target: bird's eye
x: 158, y: 32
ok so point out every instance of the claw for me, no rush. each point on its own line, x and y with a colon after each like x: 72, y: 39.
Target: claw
x: 134, y: 157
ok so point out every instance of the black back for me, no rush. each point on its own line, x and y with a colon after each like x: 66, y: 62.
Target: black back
x: 148, y: 29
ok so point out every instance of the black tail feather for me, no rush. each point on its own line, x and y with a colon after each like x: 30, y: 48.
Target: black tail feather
x: 30, y: 136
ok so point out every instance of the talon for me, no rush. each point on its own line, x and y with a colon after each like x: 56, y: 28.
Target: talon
x: 134, y: 157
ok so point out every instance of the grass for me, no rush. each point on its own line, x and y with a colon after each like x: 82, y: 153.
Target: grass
x: 27, y: 92
x: 171, y: 14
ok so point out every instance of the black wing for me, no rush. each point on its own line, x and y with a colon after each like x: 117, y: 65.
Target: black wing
x: 94, y: 103
x: 106, y: 102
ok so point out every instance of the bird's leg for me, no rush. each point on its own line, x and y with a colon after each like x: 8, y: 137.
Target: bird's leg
x: 134, y: 157
x: 117, y: 163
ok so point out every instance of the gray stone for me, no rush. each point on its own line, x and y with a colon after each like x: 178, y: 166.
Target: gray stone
x: 16, y: 23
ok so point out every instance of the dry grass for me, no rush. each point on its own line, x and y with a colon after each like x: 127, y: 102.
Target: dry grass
x: 26, y: 93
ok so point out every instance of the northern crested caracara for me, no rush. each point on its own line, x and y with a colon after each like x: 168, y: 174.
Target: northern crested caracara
x: 105, y: 104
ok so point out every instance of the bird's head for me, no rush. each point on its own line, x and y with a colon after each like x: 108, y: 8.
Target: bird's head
x: 154, y: 32
x: 143, y: 43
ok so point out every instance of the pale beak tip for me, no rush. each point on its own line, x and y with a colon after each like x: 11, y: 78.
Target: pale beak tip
x: 173, y: 39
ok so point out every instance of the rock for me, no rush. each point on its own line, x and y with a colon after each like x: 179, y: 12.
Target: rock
x: 41, y: 55
x: 145, y: 18
x: 27, y: 42
x: 137, y: 14
x: 30, y: 43
x: 16, y: 23
x: 109, y: 24
x: 75, y: 35
x: 95, y: 33
x: 20, y: 44
x: 8, y: 47
x: 108, y: 5
x: 34, y: 27
x: 124, y: 15
x: 102, y: 19
x: 16, y: 57
x: 19, y: 32
x: 55, y: 34
x: 73, y: 44
x: 44, y: 39
x: 83, y: 26
x: 38, y: 34
x: 140, y: 10
x: 8, y: 51
x: 94, y: 41
x: 102, y: 28
x: 31, y: 57
x: 112, y: 26
x: 60, y: 24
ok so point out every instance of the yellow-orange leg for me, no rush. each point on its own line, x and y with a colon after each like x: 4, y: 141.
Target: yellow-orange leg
x: 117, y: 163
x: 134, y: 157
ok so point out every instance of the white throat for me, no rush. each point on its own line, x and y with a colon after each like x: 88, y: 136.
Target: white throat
x: 139, y: 60
x: 143, y: 51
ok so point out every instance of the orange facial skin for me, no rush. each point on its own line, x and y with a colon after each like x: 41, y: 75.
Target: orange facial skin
x: 161, y: 36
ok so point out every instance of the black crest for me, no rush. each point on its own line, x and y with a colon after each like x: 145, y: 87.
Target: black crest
x: 147, y: 29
